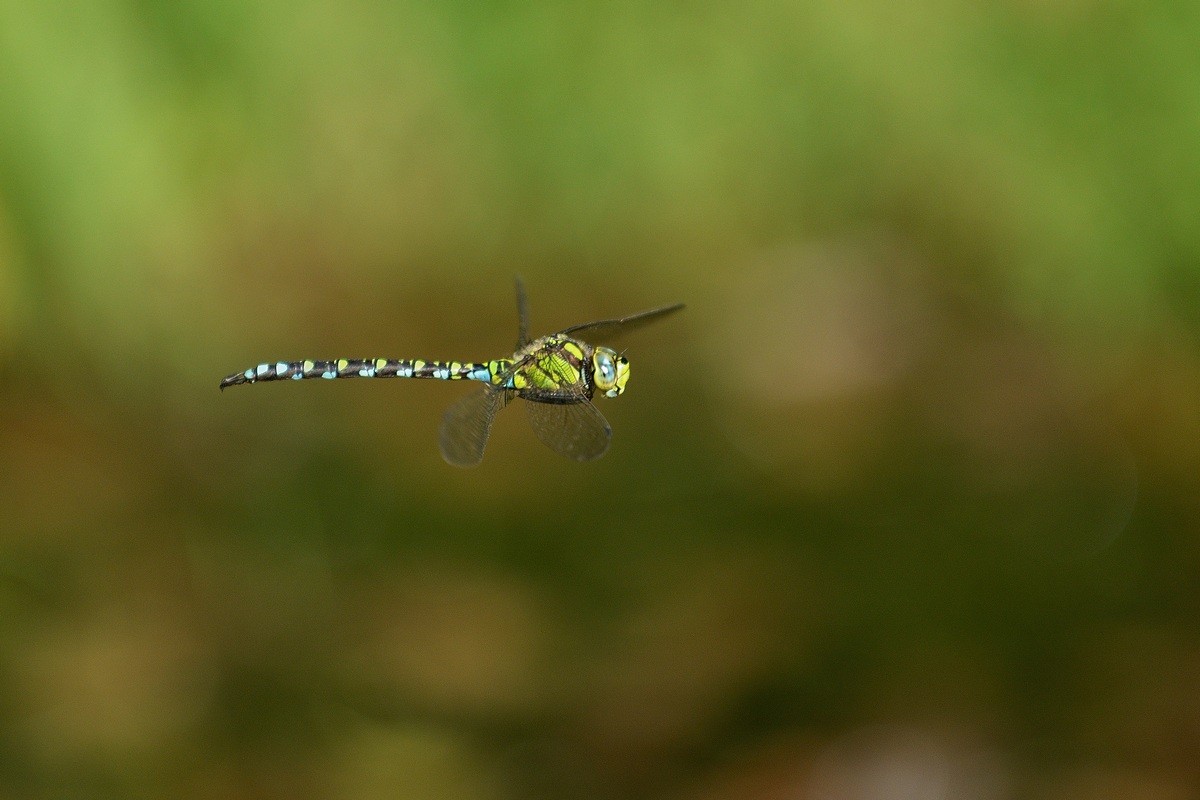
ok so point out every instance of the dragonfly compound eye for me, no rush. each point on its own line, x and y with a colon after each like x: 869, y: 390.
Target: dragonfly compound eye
x: 611, y: 371
x: 605, y: 374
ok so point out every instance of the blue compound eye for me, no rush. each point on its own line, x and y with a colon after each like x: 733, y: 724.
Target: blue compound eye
x: 606, y: 369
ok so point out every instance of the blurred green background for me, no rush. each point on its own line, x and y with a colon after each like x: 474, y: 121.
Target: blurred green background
x: 905, y: 504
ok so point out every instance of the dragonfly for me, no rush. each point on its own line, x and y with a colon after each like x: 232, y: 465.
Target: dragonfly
x: 556, y: 375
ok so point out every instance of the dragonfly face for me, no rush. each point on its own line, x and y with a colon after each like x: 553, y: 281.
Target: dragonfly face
x: 610, y: 371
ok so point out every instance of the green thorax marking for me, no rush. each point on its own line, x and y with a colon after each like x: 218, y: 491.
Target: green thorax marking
x: 553, y: 364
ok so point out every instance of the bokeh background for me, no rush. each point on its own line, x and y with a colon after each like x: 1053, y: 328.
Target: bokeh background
x: 904, y: 505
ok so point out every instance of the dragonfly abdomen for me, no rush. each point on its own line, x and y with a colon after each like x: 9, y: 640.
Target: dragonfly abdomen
x: 369, y: 368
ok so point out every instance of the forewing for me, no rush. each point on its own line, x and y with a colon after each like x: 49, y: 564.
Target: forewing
x: 575, y: 430
x: 467, y: 423
x: 603, y: 329
x: 522, y: 314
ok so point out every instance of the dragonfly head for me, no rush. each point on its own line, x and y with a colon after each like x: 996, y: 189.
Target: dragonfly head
x: 610, y: 371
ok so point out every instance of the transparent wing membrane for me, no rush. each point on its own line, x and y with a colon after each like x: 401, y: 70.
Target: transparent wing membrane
x: 522, y: 315
x: 605, y: 328
x: 575, y: 430
x: 467, y: 423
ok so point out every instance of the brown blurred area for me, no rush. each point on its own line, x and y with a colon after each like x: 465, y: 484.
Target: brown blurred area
x: 904, y: 505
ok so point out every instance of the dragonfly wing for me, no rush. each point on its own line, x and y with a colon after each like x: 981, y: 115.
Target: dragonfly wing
x: 575, y: 430
x: 467, y: 423
x: 522, y: 314
x: 602, y: 329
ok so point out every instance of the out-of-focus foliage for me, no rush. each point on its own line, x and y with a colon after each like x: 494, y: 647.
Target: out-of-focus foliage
x: 903, y: 505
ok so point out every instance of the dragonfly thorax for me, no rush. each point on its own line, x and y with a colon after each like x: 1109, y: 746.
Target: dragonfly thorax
x: 559, y: 369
